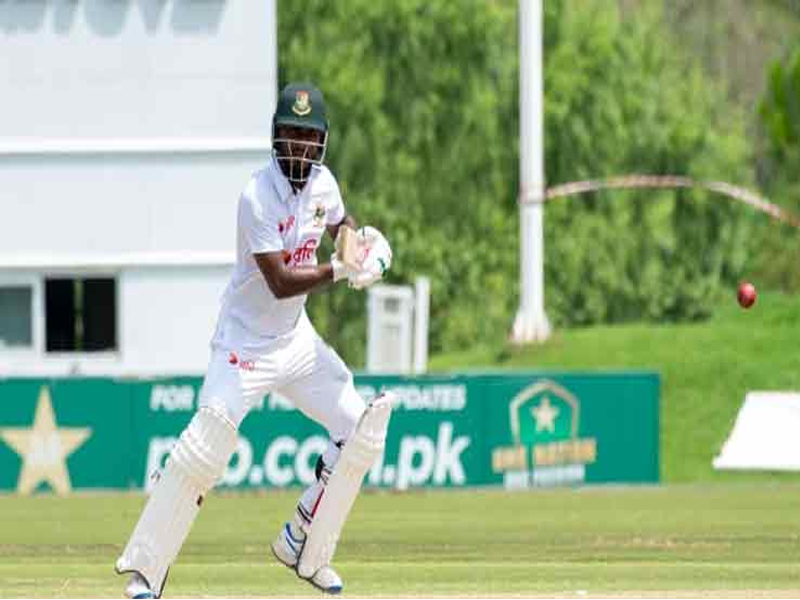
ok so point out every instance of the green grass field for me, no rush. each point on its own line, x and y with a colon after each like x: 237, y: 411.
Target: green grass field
x: 719, y: 540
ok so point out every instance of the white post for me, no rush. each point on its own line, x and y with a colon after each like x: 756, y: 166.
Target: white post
x: 422, y: 294
x: 531, y: 324
x: 390, y: 328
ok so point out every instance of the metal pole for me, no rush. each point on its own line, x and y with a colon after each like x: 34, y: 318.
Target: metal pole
x: 531, y: 324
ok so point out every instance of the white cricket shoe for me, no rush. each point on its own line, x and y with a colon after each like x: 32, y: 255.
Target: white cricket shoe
x: 287, y: 548
x: 326, y: 580
x: 138, y: 588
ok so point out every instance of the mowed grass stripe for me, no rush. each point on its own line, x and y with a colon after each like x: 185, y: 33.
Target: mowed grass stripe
x: 467, y: 542
x: 234, y: 580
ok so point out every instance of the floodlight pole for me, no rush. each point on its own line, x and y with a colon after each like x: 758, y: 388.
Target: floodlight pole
x: 531, y: 324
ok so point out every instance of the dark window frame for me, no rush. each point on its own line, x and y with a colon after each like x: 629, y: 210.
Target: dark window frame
x: 70, y: 325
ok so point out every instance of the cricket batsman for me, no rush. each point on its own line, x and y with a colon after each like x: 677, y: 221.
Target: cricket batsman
x: 264, y: 342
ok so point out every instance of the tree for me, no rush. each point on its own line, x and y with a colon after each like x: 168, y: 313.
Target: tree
x: 622, y: 98
x: 780, y: 113
x: 423, y: 100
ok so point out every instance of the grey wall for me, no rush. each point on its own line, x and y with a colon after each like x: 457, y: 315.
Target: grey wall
x: 128, y: 130
x: 130, y: 125
x: 136, y: 68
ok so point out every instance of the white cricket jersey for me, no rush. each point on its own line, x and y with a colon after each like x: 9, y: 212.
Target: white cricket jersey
x: 272, y: 218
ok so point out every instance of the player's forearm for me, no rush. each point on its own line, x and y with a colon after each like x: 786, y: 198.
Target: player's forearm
x: 301, y: 280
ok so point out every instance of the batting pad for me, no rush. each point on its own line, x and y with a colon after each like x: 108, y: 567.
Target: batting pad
x: 358, y: 455
x: 195, y: 464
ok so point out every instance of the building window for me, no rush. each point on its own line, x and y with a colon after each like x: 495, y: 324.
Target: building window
x: 16, y: 316
x: 80, y: 314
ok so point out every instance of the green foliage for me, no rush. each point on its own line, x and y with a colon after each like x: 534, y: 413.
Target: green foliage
x: 780, y: 107
x: 423, y: 115
x: 779, y: 257
x: 423, y: 100
x: 621, y: 101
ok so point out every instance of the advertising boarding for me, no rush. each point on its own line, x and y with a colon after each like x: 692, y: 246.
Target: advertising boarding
x: 516, y: 430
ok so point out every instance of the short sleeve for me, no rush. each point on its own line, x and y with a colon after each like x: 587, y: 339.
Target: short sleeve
x: 258, y: 225
x: 336, y: 211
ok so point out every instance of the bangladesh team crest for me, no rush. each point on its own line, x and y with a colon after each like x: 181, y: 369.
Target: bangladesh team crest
x: 318, y: 214
x: 302, y: 103
x: 544, y: 422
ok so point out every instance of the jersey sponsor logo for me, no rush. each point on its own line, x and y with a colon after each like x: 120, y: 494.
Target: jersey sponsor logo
x: 303, y: 253
x: 302, y: 103
x: 244, y: 365
x: 285, y: 226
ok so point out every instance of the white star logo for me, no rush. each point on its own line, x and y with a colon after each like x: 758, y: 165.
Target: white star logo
x: 44, y: 448
x: 545, y: 415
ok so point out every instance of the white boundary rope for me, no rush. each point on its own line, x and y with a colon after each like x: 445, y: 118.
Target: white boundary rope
x: 673, y: 181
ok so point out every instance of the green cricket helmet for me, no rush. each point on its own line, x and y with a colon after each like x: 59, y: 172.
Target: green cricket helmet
x: 299, y: 114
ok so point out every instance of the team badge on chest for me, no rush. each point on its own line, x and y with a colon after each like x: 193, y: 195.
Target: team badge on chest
x: 318, y: 213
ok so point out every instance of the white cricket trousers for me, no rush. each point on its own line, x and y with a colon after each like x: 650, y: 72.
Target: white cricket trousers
x: 299, y: 366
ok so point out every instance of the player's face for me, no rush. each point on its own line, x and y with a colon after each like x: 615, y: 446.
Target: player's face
x: 297, y: 149
x: 298, y: 139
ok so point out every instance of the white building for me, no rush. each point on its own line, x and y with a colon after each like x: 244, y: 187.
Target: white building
x: 127, y: 132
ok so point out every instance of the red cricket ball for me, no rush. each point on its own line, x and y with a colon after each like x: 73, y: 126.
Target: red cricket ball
x: 746, y: 295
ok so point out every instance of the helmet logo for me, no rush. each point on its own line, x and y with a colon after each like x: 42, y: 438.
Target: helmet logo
x: 302, y: 104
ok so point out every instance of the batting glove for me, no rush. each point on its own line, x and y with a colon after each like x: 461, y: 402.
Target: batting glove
x: 377, y: 258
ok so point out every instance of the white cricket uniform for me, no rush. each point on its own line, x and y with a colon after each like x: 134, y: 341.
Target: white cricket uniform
x: 265, y: 344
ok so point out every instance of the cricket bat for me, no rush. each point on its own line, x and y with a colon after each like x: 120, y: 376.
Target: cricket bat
x: 347, y: 249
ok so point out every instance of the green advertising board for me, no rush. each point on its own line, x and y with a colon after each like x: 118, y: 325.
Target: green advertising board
x: 514, y: 429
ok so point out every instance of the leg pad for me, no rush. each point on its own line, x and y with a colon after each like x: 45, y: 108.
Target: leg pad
x: 195, y: 464
x: 358, y: 455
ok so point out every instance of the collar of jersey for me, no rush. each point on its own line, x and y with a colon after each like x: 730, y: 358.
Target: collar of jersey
x: 282, y: 185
